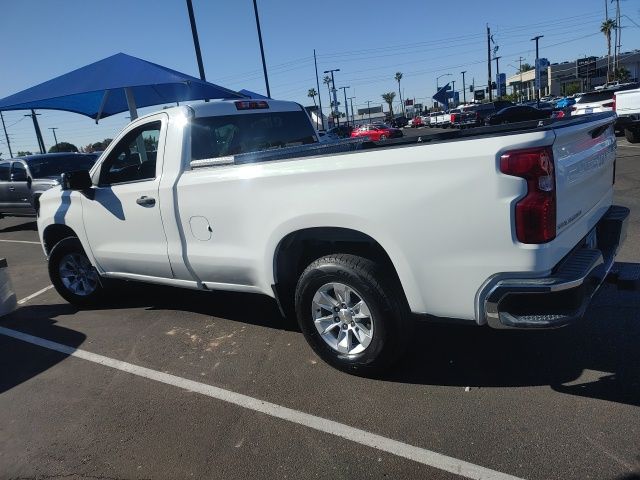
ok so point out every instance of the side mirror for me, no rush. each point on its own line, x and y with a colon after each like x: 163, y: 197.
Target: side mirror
x: 76, y: 180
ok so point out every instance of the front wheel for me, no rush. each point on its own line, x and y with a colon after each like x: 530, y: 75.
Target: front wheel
x: 72, y: 274
x: 352, y: 317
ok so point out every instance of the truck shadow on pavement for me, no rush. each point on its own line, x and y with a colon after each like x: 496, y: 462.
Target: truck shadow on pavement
x: 246, y: 308
x: 21, y: 361
x: 28, y: 226
x: 597, y: 358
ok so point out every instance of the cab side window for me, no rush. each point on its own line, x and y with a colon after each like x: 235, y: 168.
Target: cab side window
x: 133, y: 159
x: 5, y: 169
x: 18, y: 172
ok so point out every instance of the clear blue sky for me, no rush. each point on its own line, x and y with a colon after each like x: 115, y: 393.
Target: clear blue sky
x: 368, y: 40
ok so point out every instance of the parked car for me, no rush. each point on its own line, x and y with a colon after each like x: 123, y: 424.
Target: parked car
x: 627, y: 106
x: 343, y: 131
x: 24, y: 179
x: 565, y: 102
x: 377, y: 132
x: 481, y: 230
x: 483, y: 110
x: 416, y: 122
x: 597, y: 101
x: 517, y: 113
x: 399, y: 122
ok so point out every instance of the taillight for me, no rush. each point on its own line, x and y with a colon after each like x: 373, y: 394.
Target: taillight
x: 251, y: 105
x: 610, y: 104
x: 536, y: 212
x: 454, y: 116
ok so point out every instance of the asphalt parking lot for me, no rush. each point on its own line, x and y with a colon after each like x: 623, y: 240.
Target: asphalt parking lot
x: 175, y: 384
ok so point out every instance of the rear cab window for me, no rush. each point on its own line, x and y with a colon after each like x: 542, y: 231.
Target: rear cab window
x: 227, y: 135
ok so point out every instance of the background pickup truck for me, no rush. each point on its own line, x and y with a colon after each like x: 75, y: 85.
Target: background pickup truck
x: 23, y: 179
x: 510, y: 226
x: 627, y: 106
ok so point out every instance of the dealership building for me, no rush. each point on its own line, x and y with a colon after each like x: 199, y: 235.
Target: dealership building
x: 582, y: 74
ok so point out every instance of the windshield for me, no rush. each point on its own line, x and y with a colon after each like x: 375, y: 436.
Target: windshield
x: 41, y: 167
x: 213, y: 137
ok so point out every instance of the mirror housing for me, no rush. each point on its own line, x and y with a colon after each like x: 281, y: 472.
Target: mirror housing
x: 77, y: 180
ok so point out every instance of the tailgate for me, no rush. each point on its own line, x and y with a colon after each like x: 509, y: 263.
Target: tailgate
x: 584, y: 155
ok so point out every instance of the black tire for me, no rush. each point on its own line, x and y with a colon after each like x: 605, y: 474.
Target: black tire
x: 632, y: 135
x: 71, y: 245
x: 375, y: 286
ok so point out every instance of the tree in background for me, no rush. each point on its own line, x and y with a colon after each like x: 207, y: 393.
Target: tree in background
x: 22, y: 153
x: 398, y: 77
x: 63, y: 147
x: 607, y: 27
x: 525, y: 68
x: 572, y: 89
x: 389, y: 97
x: 312, y: 94
x: 97, y: 147
x: 622, y: 74
x: 327, y: 81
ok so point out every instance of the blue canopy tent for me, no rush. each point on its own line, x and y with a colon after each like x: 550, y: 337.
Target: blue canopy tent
x: 114, y: 85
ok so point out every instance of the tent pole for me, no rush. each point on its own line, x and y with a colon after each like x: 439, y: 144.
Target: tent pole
x: 131, y: 103
x: 105, y: 97
x: 36, y: 126
x: 6, y: 136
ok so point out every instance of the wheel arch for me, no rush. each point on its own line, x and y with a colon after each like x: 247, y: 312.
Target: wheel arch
x: 54, y: 233
x: 299, y: 248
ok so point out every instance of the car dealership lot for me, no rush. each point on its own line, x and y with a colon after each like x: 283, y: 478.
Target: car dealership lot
x: 558, y: 404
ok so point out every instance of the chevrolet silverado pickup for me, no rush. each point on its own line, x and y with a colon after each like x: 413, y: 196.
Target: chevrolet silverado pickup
x: 627, y: 106
x: 511, y: 226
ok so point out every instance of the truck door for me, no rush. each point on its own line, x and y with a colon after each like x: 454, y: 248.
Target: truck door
x: 20, y: 189
x: 122, y: 220
x: 5, y: 174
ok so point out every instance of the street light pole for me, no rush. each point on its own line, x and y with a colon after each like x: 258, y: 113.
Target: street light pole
x: 36, y: 126
x: 353, y: 113
x: 346, y: 107
x: 264, y: 64
x: 335, y: 94
x: 538, y: 80
x: 453, y: 93
x: 369, y: 110
x: 499, y: 86
x: 6, y: 136
x: 464, y: 88
x: 53, y: 129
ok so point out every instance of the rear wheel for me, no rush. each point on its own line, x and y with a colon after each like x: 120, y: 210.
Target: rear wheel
x: 352, y: 318
x: 383, y: 138
x: 632, y: 135
x: 73, y: 275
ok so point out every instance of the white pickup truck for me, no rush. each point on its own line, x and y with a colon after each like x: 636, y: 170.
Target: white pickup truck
x: 627, y: 106
x: 511, y: 226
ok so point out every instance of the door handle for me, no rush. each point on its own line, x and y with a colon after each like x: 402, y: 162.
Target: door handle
x: 146, y: 201
x: 12, y: 189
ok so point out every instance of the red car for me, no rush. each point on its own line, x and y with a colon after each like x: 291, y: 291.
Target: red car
x: 377, y: 132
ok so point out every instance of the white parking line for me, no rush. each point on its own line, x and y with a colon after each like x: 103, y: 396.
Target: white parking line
x: 34, y: 295
x: 394, y: 447
x: 20, y: 241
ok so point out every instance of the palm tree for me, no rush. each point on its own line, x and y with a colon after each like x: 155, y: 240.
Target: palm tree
x: 327, y: 81
x: 312, y: 94
x: 525, y: 68
x: 607, y: 27
x: 388, y: 97
x: 398, y: 77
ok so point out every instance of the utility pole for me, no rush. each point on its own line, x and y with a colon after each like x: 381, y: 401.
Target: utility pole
x: 346, y: 108
x: 53, y: 129
x: 6, y: 136
x: 520, y: 70
x: 618, y: 36
x: 369, y: 110
x: 264, y: 64
x: 196, y: 42
x: 464, y: 88
x: 498, y: 89
x: 335, y: 94
x: 33, y: 116
x: 453, y: 93
x: 315, y: 61
x: 538, y: 80
x: 353, y: 113
x: 489, y: 61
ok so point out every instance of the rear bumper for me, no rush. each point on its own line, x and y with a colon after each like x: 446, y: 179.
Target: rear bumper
x: 562, y: 297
